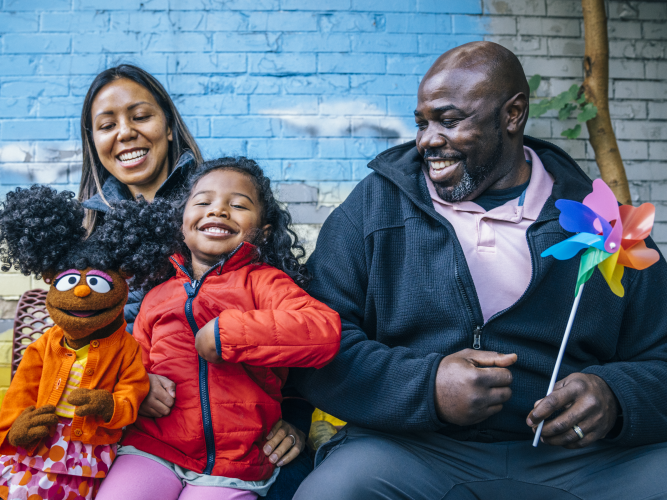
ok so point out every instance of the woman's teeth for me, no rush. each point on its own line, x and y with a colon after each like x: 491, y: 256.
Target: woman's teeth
x: 439, y: 165
x: 133, y: 155
x: 216, y: 230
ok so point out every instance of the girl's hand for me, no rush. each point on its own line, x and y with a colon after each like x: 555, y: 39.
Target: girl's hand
x: 280, y: 440
x: 161, y: 397
x: 92, y: 402
x: 205, y: 343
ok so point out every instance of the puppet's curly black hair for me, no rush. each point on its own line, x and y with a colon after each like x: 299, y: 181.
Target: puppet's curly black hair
x: 42, y: 230
x: 281, y: 248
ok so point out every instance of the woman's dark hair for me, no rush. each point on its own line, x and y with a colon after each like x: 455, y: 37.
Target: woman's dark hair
x: 41, y: 230
x: 93, y: 173
x: 280, y: 248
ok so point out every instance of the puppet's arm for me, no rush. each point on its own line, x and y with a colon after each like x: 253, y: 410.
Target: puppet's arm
x: 20, y: 423
x: 119, y: 408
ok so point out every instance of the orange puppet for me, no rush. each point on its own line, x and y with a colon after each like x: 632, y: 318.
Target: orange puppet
x: 83, y: 380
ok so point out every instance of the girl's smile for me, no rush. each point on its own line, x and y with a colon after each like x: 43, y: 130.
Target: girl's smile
x: 222, y: 212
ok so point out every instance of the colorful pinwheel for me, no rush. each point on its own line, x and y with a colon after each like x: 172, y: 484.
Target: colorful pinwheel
x: 614, y: 238
x: 613, y: 235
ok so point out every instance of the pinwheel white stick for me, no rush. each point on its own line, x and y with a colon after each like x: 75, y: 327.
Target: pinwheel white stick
x: 559, y: 360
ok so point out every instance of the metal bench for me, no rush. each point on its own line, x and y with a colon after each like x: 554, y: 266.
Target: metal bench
x: 30, y: 322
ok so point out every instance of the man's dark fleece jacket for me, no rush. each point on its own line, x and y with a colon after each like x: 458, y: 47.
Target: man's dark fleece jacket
x: 394, y: 270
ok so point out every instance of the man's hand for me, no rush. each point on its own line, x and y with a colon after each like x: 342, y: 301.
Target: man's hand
x: 92, y: 402
x: 205, y: 343
x: 587, y: 401
x: 471, y: 385
x: 31, y: 425
x: 280, y: 448
x: 160, y: 399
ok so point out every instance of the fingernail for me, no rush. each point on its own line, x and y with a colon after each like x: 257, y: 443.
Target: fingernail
x: 273, y: 458
x: 270, y: 435
x: 268, y: 449
x: 280, y: 464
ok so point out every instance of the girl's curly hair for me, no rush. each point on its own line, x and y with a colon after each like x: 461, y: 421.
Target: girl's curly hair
x: 281, y: 248
x: 42, y: 230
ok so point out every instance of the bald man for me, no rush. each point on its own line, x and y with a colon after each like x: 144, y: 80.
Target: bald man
x: 452, y: 321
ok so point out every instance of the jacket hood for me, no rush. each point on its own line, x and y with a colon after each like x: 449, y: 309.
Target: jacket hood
x: 402, y: 165
x: 114, y: 190
x: 245, y: 254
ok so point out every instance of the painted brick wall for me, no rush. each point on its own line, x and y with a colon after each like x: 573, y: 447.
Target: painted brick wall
x: 312, y: 89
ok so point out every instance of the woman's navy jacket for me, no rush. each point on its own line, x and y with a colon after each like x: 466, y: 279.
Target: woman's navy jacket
x: 394, y: 270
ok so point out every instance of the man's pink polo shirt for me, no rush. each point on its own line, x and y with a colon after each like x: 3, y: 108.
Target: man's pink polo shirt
x: 494, y: 242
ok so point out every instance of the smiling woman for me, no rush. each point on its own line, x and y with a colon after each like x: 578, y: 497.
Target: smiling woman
x: 134, y: 141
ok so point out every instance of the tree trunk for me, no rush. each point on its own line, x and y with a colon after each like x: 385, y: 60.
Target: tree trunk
x: 596, y: 87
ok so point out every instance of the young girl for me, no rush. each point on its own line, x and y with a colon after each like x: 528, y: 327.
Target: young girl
x: 224, y: 329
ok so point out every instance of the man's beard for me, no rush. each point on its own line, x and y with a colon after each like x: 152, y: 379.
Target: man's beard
x: 470, y: 180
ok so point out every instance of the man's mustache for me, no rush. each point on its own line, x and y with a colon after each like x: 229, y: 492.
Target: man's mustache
x: 434, y: 155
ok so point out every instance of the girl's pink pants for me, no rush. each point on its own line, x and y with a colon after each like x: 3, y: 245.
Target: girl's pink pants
x: 134, y: 477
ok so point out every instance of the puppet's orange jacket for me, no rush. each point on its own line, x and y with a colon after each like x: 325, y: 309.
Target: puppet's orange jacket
x: 114, y: 363
x: 223, y: 411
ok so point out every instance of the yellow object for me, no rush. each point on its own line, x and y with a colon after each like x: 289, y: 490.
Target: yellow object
x: 320, y: 415
x: 63, y: 408
x: 320, y: 433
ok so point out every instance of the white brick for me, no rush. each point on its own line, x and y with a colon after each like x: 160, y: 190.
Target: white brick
x: 566, y: 47
x: 547, y: 26
x: 639, y: 130
x: 645, y: 170
x: 515, y: 7
x: 659, y: 193
x: 564, y: 8
x: 657, y: 110
x: 552, y: 66
x: 656, y: 70
x: 633, y: 150
x: 636, y: 49
x: 624, y: 29
x: 655, y: 31
x: 521, y: 45
x: 626, y: 69
x: 623, y: 10
x: 657, y: 151
x: 539, y: 127
x: 629, y: 110
x: 640, y: 90
x: 652, y: 10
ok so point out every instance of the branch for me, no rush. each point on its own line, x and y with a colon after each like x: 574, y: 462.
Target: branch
x: 596, y: 87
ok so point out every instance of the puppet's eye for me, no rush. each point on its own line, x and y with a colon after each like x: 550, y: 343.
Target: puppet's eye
x: 98, y: 284
x: 67, y: 282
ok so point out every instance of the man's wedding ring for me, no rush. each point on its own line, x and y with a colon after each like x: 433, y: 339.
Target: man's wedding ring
x: 578, y: 431
x: 294, y: 439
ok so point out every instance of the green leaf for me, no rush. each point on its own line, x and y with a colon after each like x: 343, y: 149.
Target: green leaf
x: 538, y: 109
x: 566, y: 110
x: 582, y: 99
x: 534, y: 82
x: 587, y: 113
x: 572, y: 133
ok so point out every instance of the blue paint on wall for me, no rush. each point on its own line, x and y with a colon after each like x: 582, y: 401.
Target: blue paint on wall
x: 312, y: 89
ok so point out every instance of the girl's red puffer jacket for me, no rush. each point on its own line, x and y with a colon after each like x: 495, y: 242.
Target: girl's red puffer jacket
x: 224, y: 411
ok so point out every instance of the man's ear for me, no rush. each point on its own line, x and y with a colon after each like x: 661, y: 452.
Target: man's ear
x: 517, y: 113
x: 48, y: 277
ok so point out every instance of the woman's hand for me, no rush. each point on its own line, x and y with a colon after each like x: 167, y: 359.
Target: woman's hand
x: 160, y: 399
x: 205, y: 342
x: 281, y: 448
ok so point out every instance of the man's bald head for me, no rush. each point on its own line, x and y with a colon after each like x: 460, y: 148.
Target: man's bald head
x: 472, y: 108
x: 498, y: 70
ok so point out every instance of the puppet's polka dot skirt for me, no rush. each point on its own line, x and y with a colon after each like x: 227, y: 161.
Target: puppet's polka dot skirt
x: 58, y: 470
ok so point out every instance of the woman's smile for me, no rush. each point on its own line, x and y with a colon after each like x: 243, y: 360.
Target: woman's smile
x: 133, y: 157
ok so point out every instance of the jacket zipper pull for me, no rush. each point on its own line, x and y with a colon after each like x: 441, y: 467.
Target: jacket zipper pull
x: 477, y: 338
